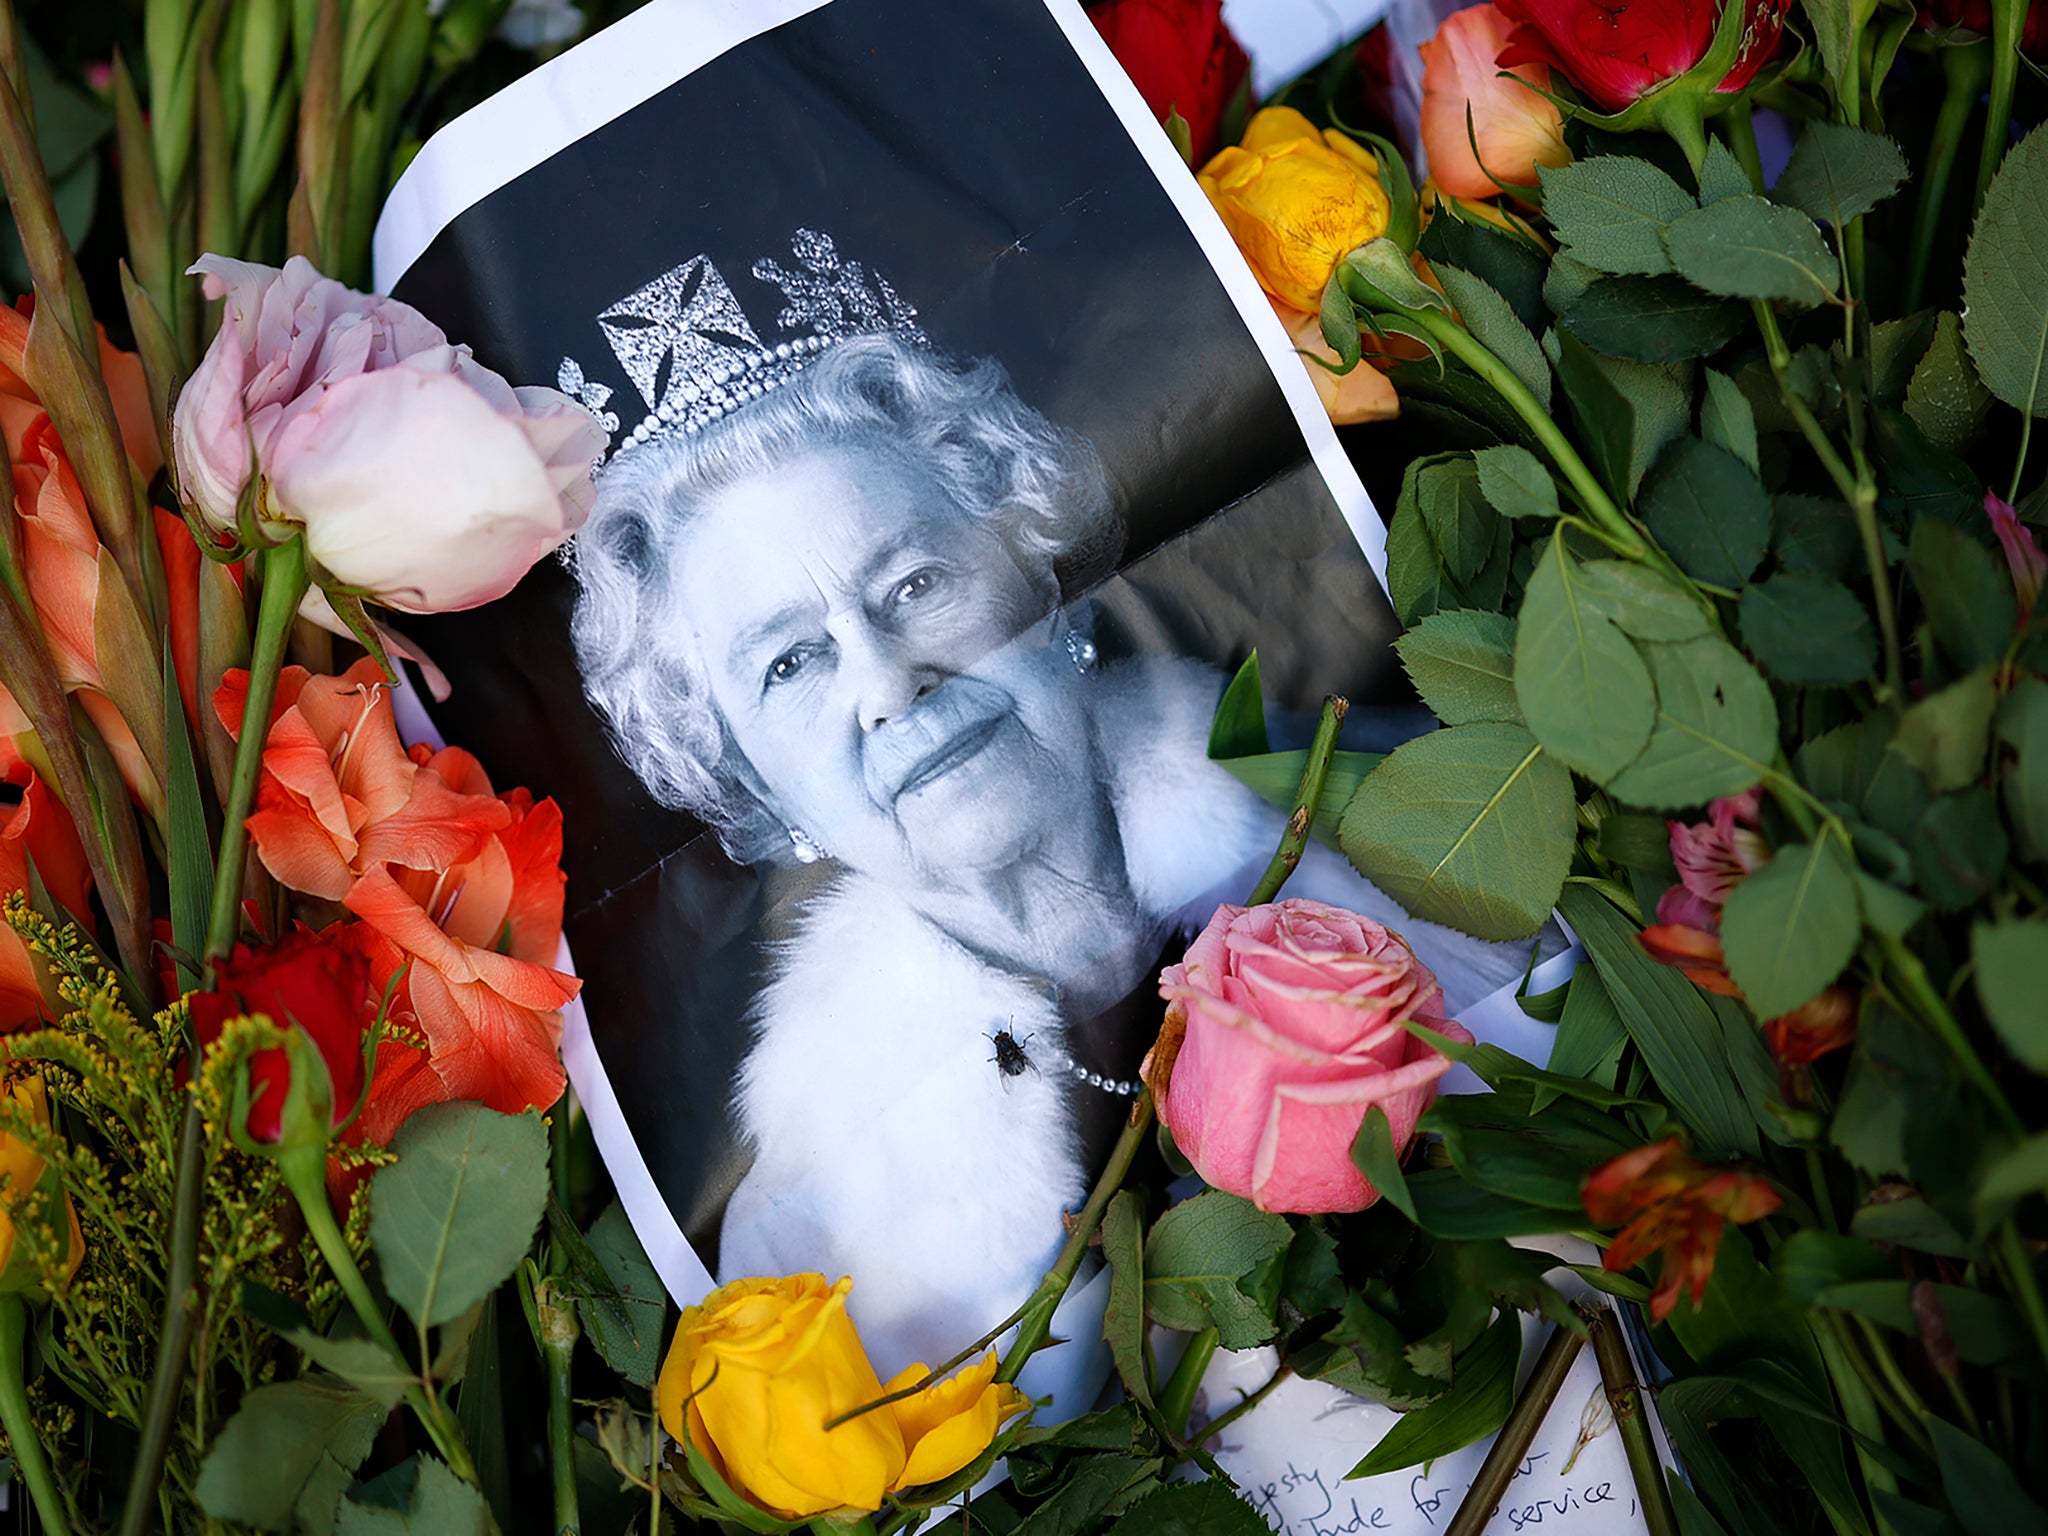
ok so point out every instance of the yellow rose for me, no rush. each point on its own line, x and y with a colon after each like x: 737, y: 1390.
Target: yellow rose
x: 754, y: 1375
x: 951, y: 1422
x: 22, y: 1169
x: 1297, y: 202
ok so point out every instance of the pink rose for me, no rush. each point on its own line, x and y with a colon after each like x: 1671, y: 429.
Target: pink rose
x: 420, y: 478
x: 1467, y: 98
x: 1284, y: 1028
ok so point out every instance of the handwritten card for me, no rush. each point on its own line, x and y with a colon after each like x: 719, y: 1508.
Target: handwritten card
x: 1289, y: 1457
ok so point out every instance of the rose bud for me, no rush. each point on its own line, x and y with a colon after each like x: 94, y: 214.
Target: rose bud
x: 317, y: 988
x: 1620, y: 52
x: 1467, y: 99
x: 420, y: 479
x: 1182, y: 59
x: 1297, y: 202
x: 1284, y: 1028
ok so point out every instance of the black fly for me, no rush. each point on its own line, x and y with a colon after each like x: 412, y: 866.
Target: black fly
x: 1010, y: 1057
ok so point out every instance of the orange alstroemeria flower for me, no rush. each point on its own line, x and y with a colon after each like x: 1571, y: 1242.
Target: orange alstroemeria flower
x: 1694, y: 951
x: 1675, y: 1206
x: 339, y: 795
x: 37, y: 833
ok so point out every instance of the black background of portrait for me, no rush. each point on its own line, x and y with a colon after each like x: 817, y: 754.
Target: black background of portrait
x: 962, y: 151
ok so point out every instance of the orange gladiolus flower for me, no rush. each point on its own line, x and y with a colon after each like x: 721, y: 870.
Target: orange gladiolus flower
x: 1675, y: 1206
x: 36, y: 832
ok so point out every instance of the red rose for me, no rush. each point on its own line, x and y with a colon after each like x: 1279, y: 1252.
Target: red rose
x: 1622, y: 50
x: 1182, y: 59
x: 318, y: 981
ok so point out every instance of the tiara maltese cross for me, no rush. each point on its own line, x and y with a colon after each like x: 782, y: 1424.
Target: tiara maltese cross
x: 694, y: 356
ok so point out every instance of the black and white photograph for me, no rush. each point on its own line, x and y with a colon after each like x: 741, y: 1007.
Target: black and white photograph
x: 877, y: 687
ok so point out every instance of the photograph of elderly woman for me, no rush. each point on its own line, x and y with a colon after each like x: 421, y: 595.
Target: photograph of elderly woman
x: 877, y: 689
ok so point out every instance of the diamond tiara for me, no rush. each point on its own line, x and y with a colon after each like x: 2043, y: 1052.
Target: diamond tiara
x: 694, y: 356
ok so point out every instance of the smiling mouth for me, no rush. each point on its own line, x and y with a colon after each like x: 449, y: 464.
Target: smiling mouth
x: 950, y: 756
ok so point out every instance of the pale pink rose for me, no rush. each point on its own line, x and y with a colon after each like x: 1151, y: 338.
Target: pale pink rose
x: 2029, y: 565
x: 1715, y: 855
x: 1516, y: 126
x: 420, y: 478
x: 1284, y: 1029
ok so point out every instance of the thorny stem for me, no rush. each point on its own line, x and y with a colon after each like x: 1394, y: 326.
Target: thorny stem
x: 1859, y: 490
x: 1512, y: 1443
x: 305, y: 1176
x: 1236, y: 1411
x: 20, y: 1425
x: 1625, y: 1397
x: 1306, y: 803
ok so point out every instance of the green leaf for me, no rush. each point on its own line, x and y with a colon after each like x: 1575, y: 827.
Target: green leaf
x: 1515, y: 483
x: 2020, y: 1170
x: 1626, y: 412
x: 1652, y: 319
x: 1726, y: 419
x: 2012, y: 982
x: 1340, y: 323
x: 1982, y: 1491
x: 1123, y: 1317
x: 1463, y: 665
x: 1513, y: 265
x: 1677, y: 1033
x: 1239, y: 727
x: 2005, y: 280
x: 1472, y: 826
x: 2023, y: 726
x: 1791, y: 927
x: 1851, y: 765
x: 1808, y: 631
x: 1747, y: 248
x: 1708, y: 510
x: 1983, y: 1329
x: 1583, y: 689
x: 1491, y: 319
x: 1370, y: 1357
x: 1838, y: 173
x: 1498, y: 1144
x: 1811, y: 1261
x: 1646, y: 605
x: 1207, y: 1508
x: 1945, y: 735
x: 1722, y: 174
x: 1959, y: 849
x: 1835, y: 28
x: 625, y: 1324
x: 1589, y: 1036
x: 1378, y: 275
x: 1198, y: 1260
x: 1446, y: 548
x: 1459, y: 520
x: 452, y: 1218
x: 419, y: 1497
x: 1946, y: 400
x: 1312, y: 1280
x: 1716, y: 731
x: 1966, y: 591
x: 1567, y: 278
x: 1908, y: 1221
x: 264, y: 1455
x: 1376, y: 1156
x: 1814, y: 536
x: 1613, y: 210
x: 1482, y: 1392
x: 1276, y: 776
x: 361, y: 1362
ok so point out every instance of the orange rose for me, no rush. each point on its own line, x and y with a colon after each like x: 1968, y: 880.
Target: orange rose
x: 1515, y: 126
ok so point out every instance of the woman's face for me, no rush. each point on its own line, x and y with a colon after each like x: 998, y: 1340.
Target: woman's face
x: 890, y: 672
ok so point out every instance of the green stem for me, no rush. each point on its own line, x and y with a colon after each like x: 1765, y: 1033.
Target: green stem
x: 174, y: 1336
x: 1966, y: 70
x: 1232, y: 1414
x: 1823, y: 1201
x: 2008, y: 20
x: 1178, y: 1400
x: 1859, y: 491
x: 20, y: 1425
x: 1742, y: 138
x: 558, y: 1332
x: 1306, y: 803
x: 1625, y: 1397
x: 305, y: 1174
x: 1889, y: 1387
x: 1859, y: 1411
x: 2017, y: 1266
x: 1910, y: 979
x: 285, y: 581
x: 1467, y: 348
x: 1504, y: 1458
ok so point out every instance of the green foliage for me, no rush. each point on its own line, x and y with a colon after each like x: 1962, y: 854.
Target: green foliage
x: 1652, y: 319
x: 1945, y: 399
x: 1946, y: 734
x: 1462, y: 663
x: 1611, y: 212
x: 1446, y: 548
x: 2012, y: 982
x: 1123, y: 1317
x: 420, y: 1497
x: 1515, y: 483
x: 1709, y: 512
x: 452, y: 1218
x: 1982, y: 1491
x: 1276, y: 776
x: 1512, y: 265
x: 1716, y: 731
x: 1838, y: 173
x: 1481, y: 1396
x: 1808, y: 630
x: 2005, y: 280
x: 1722, y: 175
x: 1581, y: 685
x: 1748, y: 248
x: 1627, y: 412
x: 278, y: 1440
x: 1239, y: 729
x: 1727, y: 421
x: 1645, y: 605
x: 1790, y: 928
x: 1206, y: 1508
x: 1203, y: 1261
x: 1494, y: 322
x: 1966, y: 592
x: 2022, y: 725
x: 1470, y: 826
x: 619, y: 1298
